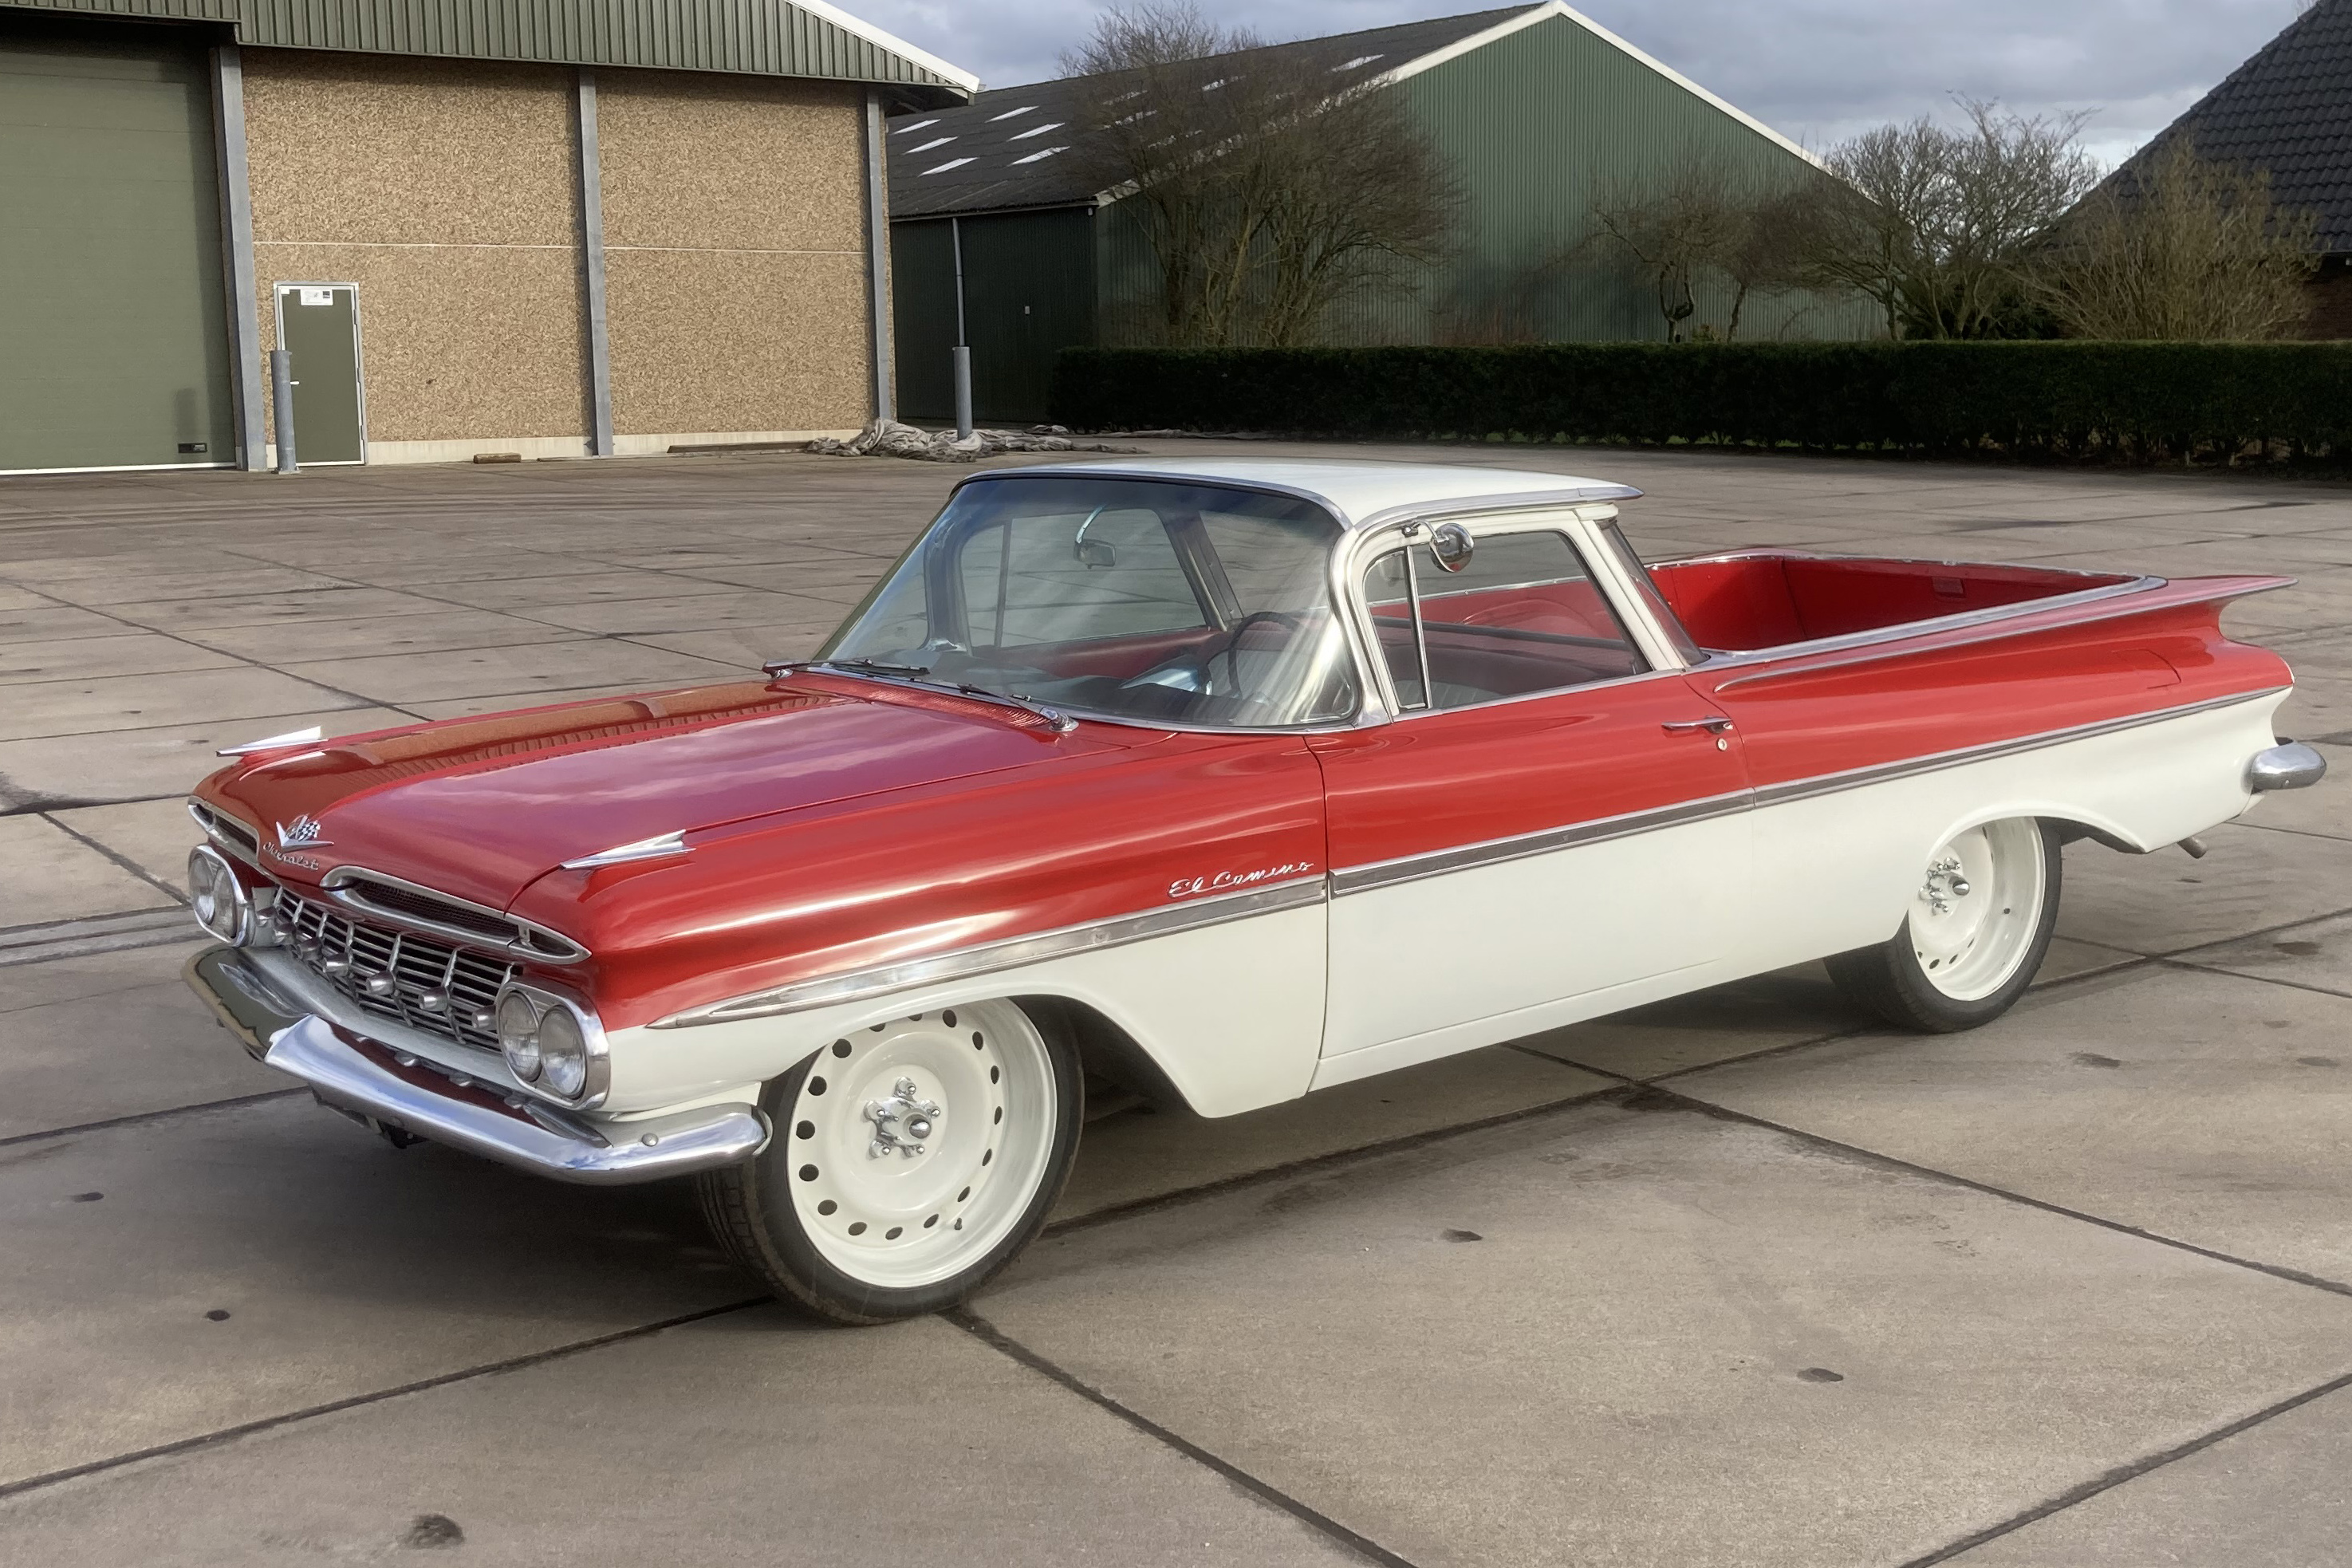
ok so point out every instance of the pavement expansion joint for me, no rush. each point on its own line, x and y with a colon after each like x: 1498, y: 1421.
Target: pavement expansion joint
x: 10, y: 1489
x: 1264, y: 1491
x: 1336, y: 1159
x: 94, y: 933
x: 2130, y: 1472
x: 140, y: 1118
x: 1652, y: 1096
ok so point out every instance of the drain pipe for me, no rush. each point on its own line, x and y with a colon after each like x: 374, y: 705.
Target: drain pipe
x: 962, y: 350
x: 281, y: 397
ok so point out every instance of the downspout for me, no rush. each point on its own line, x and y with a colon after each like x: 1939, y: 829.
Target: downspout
x: 877, y: 256
x: 601, y: 442
x: 961, y: 353
x: 237, y: 238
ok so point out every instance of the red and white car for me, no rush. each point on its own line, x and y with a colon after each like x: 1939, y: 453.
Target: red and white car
x: 1223, y: 782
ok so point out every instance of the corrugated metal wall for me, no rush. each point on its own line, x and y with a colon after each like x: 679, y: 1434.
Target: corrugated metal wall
x: 766, y: 38
x: 1536, y: 126
x: 1029, y: 293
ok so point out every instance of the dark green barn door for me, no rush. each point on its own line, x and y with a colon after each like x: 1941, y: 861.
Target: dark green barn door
x: 319, y: 324
x: 114, y: 323
x: 1029, y: 293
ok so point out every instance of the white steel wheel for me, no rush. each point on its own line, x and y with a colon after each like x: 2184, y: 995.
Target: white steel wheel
x: 909, y: 1161
x: 1973, y: 920
x: 917, y: 1144
x: 1975, y: 934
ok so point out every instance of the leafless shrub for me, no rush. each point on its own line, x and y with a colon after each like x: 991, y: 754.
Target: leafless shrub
x: 2180, y: 248
x: 1941, y: 227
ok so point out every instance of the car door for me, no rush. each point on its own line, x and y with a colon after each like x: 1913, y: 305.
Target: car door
x: 1553, y: 825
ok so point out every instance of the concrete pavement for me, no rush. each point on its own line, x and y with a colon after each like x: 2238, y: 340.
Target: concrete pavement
x: 1736, y: 1278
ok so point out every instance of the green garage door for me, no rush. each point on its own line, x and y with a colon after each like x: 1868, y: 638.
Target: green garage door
x: 113, y: 332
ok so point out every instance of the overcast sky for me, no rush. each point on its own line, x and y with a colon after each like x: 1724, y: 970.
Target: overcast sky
x: 1814, y: 69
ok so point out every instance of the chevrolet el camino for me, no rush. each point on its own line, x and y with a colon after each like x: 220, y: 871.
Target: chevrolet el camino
x: 1218, y: 782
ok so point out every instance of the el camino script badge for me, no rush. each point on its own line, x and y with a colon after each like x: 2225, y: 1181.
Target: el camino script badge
x: 1233, y: 881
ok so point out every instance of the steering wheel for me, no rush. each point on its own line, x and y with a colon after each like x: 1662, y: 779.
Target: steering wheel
x: 1230, y: 650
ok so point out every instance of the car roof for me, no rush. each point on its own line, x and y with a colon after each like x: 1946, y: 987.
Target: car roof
x: 1357, y: 492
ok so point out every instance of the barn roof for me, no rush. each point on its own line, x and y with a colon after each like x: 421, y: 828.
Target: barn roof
x: 1009, y: 147
x: 2287, y: 110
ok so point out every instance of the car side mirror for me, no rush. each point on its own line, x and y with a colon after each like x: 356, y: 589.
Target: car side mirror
x: 1450, y: 545
x: 1093, y: 553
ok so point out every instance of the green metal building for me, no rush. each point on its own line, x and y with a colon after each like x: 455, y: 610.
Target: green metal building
x: 1536, y: 111
x: 585, y: 228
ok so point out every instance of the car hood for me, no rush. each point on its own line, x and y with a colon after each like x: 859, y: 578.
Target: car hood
x: 482, y: 807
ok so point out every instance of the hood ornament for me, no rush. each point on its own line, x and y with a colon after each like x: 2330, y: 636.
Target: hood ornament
x: 655, y: 848
x: 303, y: 832
x: 273, y: 742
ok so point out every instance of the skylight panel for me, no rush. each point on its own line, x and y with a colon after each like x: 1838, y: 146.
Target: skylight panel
x: 1359, y: 61
x: 1034, y: 131
x: 934, y: 141
x: 1035, y: 157
x: 1024, y: 109
x: 917, y: 125
x: 951, y: 163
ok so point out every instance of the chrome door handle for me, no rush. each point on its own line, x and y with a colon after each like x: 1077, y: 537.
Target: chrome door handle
x: 1714, y: 724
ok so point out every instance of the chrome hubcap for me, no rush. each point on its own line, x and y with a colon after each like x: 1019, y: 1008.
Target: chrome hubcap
x: 902, y: 1121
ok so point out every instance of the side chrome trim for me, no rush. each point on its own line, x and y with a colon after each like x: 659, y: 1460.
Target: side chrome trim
x: 1992, y: 615
x: 1831, y: 783
x: 1095, y: 936
x: 1468, y: 857
x: 1386, y: 873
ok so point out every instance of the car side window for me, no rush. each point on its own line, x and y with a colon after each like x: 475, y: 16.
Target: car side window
x: 1522, y: 615
x: 1028, y: 581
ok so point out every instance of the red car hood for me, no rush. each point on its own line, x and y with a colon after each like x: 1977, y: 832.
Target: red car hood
x: 482, y: 807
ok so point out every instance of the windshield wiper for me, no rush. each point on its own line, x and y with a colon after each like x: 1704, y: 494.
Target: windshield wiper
x: 1058, y: 721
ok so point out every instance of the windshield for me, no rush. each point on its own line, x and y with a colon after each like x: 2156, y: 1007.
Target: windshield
x: 1143, y: 599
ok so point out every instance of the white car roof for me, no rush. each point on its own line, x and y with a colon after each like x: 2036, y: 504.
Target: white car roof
x: 1357, y: 492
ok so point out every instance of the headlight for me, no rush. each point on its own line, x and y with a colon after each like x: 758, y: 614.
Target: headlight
x: 562, y: 1052
x: 519, y: 1035
x: 217, y: 898
x: 553, y: 1043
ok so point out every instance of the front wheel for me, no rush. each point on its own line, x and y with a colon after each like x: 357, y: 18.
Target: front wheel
x: 909, y: 1161
x: 1976, y: 934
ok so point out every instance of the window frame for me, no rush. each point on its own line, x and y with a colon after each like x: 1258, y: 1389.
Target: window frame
x: 1577, y: 525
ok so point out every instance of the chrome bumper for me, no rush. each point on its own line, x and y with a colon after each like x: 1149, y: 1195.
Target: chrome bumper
x: 2290, y: 765
x: 351, y: 1070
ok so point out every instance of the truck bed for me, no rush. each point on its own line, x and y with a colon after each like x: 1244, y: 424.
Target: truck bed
x: 1766, y: 599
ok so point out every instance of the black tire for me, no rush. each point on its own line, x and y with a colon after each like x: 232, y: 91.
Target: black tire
x: 751, y: 1209
x: 1889, y: 980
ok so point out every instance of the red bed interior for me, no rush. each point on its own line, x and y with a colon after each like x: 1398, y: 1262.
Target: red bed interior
x: 1767, y: 601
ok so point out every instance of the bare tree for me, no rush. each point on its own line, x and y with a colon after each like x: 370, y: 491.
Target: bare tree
x: 1266, y: 195
x: 2182, y: 248
x: 1939, y: 226
x: 1701, y: 221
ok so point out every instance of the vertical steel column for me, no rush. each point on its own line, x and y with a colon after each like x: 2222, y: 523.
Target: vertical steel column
x: 959, y: 356
x: 591, y: 268
x: 281, y: 400
x: 878, y: 256
x: 237, y: 240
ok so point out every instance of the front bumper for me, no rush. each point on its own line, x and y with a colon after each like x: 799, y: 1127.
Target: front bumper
x: 352, y: 1067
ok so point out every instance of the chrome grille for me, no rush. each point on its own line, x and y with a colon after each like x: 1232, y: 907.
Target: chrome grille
x: 317, y: 933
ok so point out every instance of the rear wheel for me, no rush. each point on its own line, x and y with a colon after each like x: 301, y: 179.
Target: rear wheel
x: 909, y: 1161
x: 1976, y: 934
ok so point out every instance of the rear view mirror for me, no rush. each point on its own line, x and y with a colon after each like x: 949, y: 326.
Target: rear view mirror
x: 1093, y: 553
x: 1450, y: 544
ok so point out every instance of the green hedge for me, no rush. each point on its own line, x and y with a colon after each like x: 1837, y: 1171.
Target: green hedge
x: 2131, y: 400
